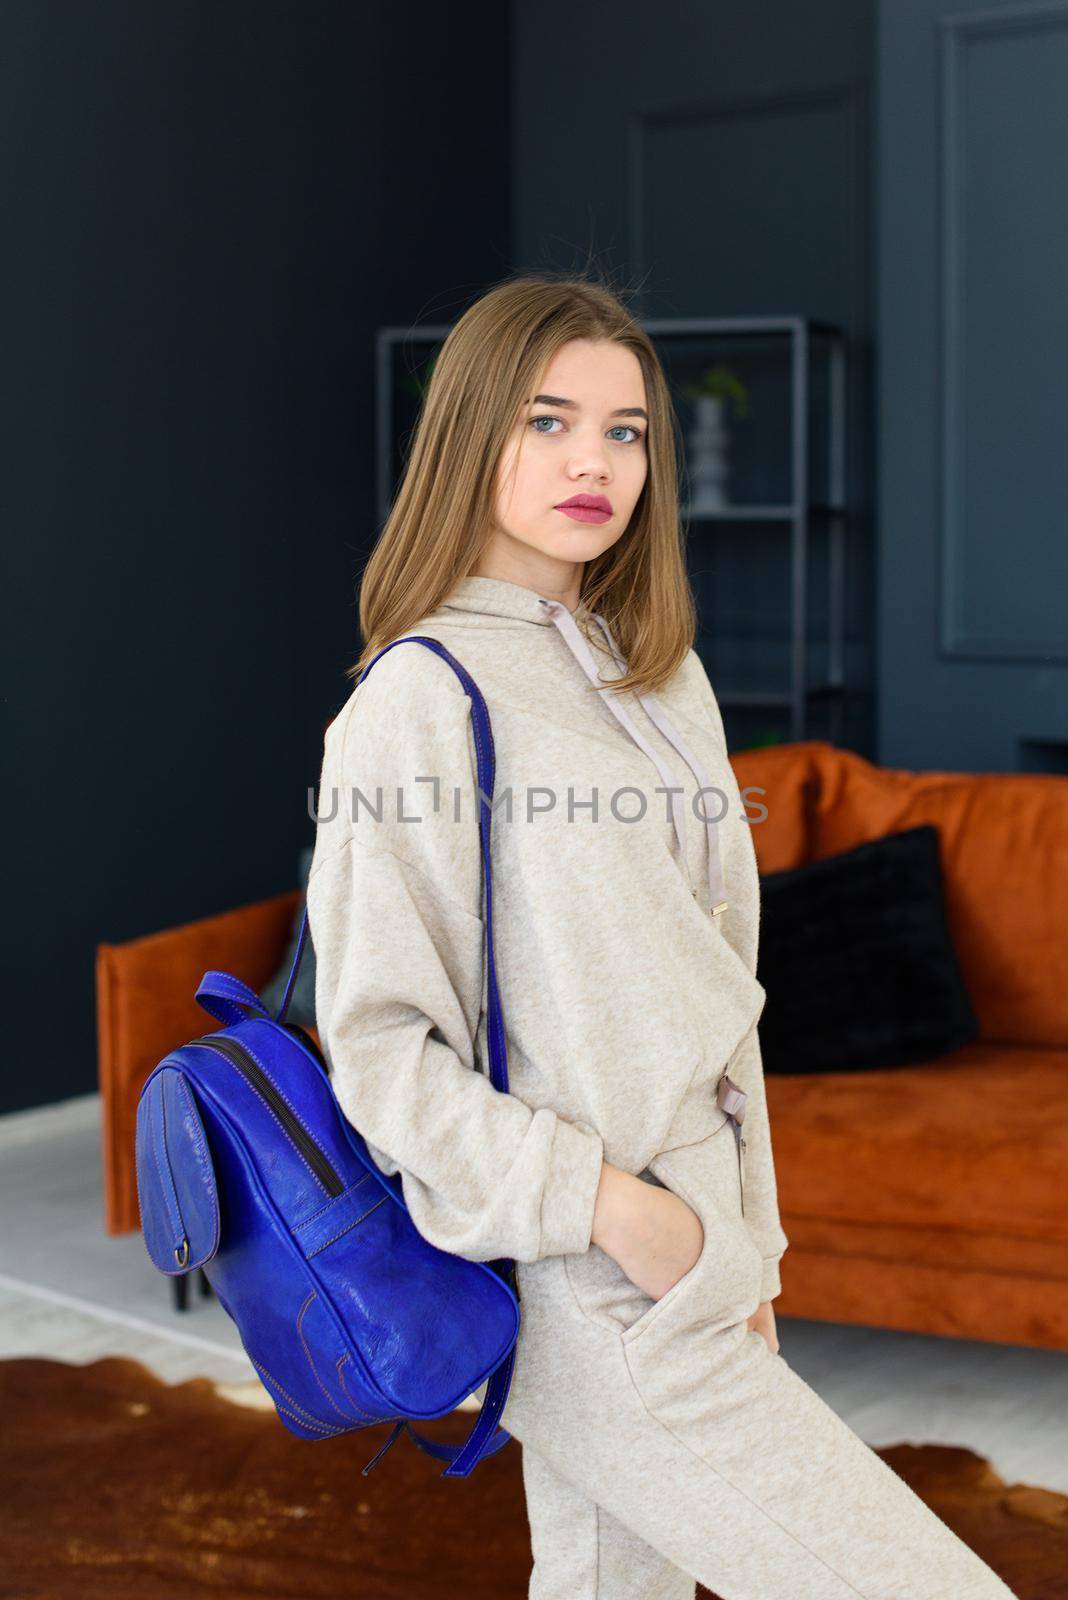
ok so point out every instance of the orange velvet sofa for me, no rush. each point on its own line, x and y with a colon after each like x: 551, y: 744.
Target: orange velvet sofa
x: 931, y: 1198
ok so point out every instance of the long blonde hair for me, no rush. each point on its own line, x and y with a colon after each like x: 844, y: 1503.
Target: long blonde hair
x: 487, y: 369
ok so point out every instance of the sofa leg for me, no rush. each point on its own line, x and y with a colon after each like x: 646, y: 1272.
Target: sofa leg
x: 180, y: 1288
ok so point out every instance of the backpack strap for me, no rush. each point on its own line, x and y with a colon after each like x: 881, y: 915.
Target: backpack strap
x: 223, y: 996
x: 481, y: 1441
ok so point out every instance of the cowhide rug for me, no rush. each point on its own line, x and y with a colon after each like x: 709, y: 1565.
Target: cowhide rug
x: 114, y: 1483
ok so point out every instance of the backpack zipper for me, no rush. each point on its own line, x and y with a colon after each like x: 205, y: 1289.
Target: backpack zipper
x: 181, y: 1251
x: 239, y: 1057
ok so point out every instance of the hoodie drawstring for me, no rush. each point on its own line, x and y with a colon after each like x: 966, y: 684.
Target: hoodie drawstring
x: 580, y: 649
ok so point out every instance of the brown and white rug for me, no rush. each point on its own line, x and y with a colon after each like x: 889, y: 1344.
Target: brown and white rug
x: 114, y: 1483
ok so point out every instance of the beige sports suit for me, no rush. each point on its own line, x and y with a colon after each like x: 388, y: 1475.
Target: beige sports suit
x: 662, y: 1441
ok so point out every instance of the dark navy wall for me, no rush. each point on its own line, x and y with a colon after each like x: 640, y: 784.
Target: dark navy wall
x: 208, y: 210
x: 973, y: 340
x: 718, y: 156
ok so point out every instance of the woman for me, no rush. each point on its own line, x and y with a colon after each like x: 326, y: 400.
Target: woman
x: 629, y: 1170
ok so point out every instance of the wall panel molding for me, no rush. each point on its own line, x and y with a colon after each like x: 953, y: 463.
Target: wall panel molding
x: 963, y: 635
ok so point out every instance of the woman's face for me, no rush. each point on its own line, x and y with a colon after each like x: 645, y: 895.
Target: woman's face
x: 583, y: 433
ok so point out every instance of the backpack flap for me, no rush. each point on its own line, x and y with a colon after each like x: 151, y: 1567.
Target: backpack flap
x: 176, y: 1188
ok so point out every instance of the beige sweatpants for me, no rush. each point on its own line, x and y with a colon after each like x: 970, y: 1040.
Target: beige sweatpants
x: 663, y: 1443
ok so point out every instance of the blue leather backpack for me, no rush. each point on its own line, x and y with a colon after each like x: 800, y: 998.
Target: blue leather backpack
x: 248, y: 1167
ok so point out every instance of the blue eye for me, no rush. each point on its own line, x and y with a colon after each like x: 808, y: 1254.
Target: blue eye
x: 621, y: 427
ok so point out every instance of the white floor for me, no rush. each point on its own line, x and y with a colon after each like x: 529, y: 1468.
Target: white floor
x: 71, y: 1292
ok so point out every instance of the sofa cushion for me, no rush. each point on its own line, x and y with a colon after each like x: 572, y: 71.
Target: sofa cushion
x: 927, y: 1281
x: 955, y: 1248
x: 857, y: 961
x: 1004, y: 850
x: 977, y: 1139
x: 778, y: 787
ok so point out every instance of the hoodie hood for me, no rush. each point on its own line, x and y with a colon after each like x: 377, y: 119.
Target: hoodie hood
x: 499, y: 597
x: 579, y: 629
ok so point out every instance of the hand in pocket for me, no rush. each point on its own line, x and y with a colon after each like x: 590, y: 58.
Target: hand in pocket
x: 662, y: 1241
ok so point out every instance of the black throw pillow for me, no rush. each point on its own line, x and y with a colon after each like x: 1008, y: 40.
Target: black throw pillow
x: 857, y: 961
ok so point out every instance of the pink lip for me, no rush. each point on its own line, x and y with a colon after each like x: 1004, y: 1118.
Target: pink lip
x: 586, y: 508
x: 585, y: 513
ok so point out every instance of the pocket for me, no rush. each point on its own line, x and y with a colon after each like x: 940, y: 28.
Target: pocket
x: 601, y: 1289
x: 711, y: 1224
x: 723, y: 1285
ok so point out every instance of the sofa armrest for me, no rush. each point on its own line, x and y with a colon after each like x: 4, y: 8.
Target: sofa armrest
x: 145, y: 1006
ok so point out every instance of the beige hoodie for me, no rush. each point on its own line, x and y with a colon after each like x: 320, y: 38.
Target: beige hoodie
x: 624, y: 999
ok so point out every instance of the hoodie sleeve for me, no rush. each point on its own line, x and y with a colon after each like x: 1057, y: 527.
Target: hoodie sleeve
x: 760, y: 1190
x: 396, y: 920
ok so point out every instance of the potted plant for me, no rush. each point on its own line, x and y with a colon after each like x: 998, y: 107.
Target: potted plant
x: 709, y: 438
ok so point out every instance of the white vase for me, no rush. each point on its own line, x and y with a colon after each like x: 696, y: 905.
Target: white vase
x: 709, y: 456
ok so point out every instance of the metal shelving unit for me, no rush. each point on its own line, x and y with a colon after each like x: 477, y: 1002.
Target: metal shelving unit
x: 799, y: 512
x: 801, y: 337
